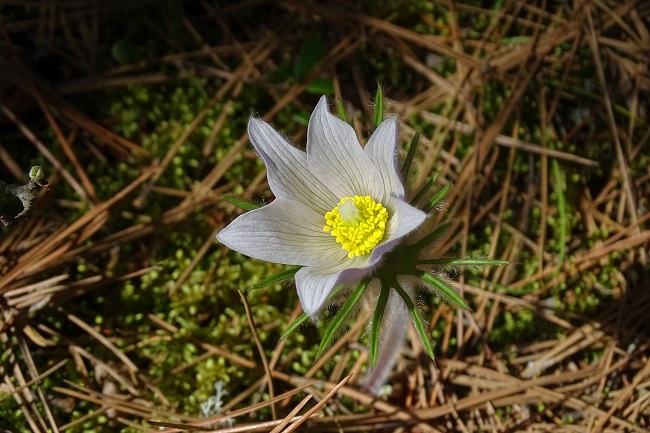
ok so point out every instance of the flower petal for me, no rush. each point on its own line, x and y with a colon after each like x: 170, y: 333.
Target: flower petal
x: 314, y: 285
x: 404, y: 220
x: 285, y: 231
x: 382, y: 150
x: 287, y: 171
x: 334, y: 154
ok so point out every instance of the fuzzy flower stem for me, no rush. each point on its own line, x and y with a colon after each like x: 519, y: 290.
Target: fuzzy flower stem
x: 394, y: 327
x: 420, y: 327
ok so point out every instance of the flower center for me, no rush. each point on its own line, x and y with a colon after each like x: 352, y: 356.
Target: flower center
x: 358, y: 223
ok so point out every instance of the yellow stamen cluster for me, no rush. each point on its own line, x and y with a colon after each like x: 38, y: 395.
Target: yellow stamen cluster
x: 358, y: 223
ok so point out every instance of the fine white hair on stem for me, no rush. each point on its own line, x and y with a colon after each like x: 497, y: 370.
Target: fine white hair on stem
x: 394, y: 327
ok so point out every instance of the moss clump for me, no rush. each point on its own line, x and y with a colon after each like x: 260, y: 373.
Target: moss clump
x: 511, y: 327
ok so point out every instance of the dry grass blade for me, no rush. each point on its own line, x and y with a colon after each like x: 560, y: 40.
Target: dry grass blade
x: 49, y: 246
x: 260, y: 347
x: 119, y: 309
x: 239, y: 412
x: 316, y: 407
x: 103, y: 340
x: 291, y: 417
x: 627, y: 184
x: 504, y: 140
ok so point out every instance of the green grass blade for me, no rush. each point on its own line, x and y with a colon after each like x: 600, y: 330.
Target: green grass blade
x: 445, y: 290
x: 581, y: 91
x: 433, y: 236
x: 425, y: 188
x: 378, y: 116
x: 465, y: 262
x: 558, y: 185
x: 341, y: 109
x: 313, y: 51
x: 420, y: 327
x: 294, y: 325
x: 437, y: 198
x: 406, y: 167
x: 377, y: 316
x: 276, y: 278
x: 243, y: 204
x: 340, y: 317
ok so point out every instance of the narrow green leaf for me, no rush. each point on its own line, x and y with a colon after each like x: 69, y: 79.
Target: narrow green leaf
x: 377, y: 316
x: 340, y: 317
x: 301, y: 118
x: 339, y: 105
x: 379, y: 106
x: 321, y: 86
x: 558, y: 185
x: 406, y: 167
x: 440, y: 195
x: 445, y: 290
x: 425, y: 188
x: 432, y: 237
x: 581, y: 91
x: 465, y: 262
x: 313, y: 51
x: 496, y: 7
x: 294, y: 325
x: 303, y: 317
x: 276, y: 278
x: 420, y: 327
x: 515, y: 40
x: 243, y: 204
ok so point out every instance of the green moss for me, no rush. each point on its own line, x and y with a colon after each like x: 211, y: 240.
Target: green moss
x: 511, y: 327
x: 11, y: 417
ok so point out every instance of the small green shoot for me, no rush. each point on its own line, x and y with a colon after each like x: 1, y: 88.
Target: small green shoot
x: 465, y: 262
x: 276, y: 278
x: 406, y: 166
x: 420, y: 327
x: 341, y: 110
x: 242, y: 204
x: 432, y: 237
x: 321, y: 86
x: 378, y: 115
x: 440, y: 195
x: 313, y: 51
x: 558, y: 184
x: 340, y: 317
x: 425, y: 188
x: 294, y: 325
x: 444, y: 290
x: 377, y: 316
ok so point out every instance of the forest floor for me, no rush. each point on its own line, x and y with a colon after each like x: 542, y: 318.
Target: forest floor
x: 121, y: 312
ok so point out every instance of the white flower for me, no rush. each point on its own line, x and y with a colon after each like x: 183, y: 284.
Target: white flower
x: 338, y: 208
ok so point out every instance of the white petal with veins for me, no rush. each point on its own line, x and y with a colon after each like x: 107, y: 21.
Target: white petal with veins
x: 285, y: 231
x: 307, y: 185
x: 334, y: 153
